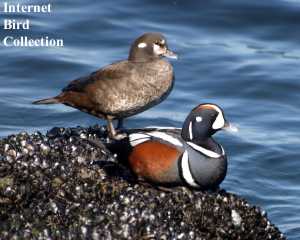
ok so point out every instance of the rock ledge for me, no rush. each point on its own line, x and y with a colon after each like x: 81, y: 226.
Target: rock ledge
x: 67, y: 185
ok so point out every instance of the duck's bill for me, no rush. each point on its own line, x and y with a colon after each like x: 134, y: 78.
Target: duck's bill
x: 229, y: 127
x: 170, y: 54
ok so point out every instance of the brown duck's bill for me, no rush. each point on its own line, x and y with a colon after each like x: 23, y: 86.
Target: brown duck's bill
x: 229, y: 127
x: 170, y: 54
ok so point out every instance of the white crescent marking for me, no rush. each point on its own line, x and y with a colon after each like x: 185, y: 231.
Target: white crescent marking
x: 205, y: 151
x: 186, y: 171
x: 191, y: 130
x: 220, y: 121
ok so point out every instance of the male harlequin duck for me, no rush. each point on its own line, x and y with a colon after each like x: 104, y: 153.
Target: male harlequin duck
x: 124, y: 88
x: 187, y: 157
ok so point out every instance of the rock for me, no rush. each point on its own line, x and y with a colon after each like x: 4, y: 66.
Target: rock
x: 68, y: 185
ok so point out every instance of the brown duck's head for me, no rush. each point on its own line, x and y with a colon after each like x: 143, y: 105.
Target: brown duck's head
x: 148, y: 47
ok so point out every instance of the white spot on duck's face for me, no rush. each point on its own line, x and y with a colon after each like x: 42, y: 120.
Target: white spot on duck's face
x: 158, y: 50
x: 142, y: 45
x: 199, y: 119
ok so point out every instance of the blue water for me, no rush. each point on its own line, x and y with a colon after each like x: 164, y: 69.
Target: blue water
x: 242, y: 55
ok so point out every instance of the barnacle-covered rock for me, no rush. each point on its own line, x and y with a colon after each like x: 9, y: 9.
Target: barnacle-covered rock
x: 68, y: 185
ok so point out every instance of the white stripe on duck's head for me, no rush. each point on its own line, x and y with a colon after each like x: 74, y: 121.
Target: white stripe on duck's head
x: 204, y: 121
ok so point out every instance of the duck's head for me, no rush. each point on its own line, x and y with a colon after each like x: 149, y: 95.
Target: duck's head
x: 148, y: 47
x: 204, y: 121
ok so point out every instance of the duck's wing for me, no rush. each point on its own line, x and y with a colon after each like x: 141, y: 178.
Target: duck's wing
x: 168, y: 136
x: 168, y: 130
x: 112, y: 72
x: 96, y: 92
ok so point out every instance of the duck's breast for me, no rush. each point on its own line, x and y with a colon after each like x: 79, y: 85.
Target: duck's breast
x: 208, y: 172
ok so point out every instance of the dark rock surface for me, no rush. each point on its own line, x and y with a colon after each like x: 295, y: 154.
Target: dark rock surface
x: 67, y: 185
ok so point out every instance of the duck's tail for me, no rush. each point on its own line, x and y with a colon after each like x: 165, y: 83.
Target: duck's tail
x: 53, y: 100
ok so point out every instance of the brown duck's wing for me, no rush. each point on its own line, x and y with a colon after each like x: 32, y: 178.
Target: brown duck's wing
x: 78, y: 85
x: 111, y: 72
x: 117, y: 70
x: 94, y: 93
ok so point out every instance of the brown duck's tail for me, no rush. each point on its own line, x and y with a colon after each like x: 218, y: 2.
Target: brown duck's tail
x: 53, y: 100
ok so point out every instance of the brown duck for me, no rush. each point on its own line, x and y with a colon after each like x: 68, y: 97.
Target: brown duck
x: 124, y: 88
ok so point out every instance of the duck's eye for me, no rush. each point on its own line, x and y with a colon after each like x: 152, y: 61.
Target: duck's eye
x: 159, y: 43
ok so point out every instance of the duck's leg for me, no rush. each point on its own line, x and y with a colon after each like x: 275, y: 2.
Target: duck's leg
x: 112, y: 132
x: 110, y: 128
